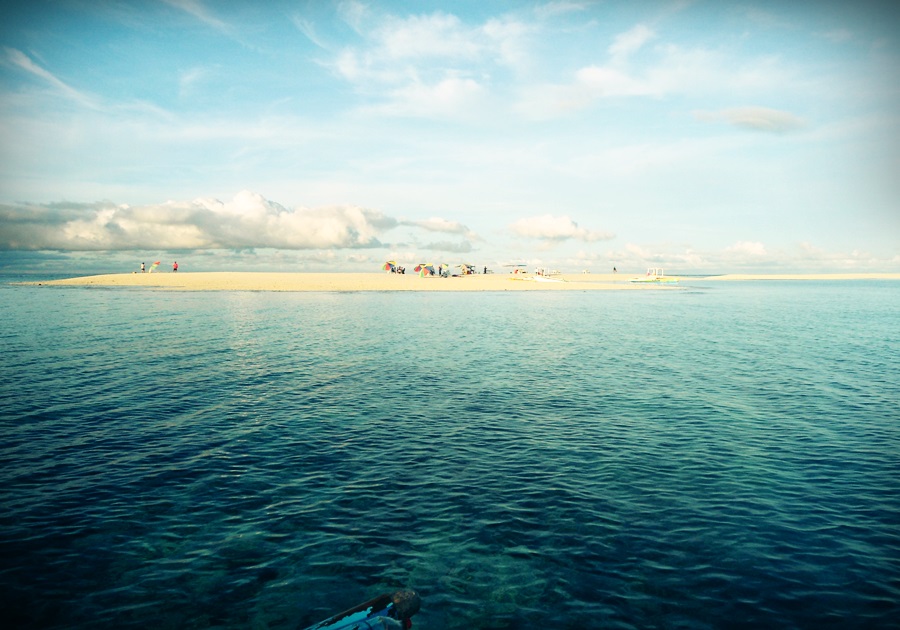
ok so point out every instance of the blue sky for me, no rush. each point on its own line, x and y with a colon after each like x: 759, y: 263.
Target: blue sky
x: 705, y: 137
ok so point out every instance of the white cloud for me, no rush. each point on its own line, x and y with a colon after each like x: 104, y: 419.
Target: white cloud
x: 355, y: 14
x: 628, y: 43
x: 590, y: 84
x: 600, y: 82
x: 450, y: 97
x: 428, y: 65
x: 555, y: 228
x: 748, y: 248
x: 755, y: 119
x: 437, y: 224
x: 507, y: 40
x: 441, y: 37
x: 436, y: 65
x: 419, y: 37
x: 247, y: 221
x: 668, y: 70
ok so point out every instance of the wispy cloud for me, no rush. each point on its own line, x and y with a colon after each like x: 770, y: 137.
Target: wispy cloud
x: 429, y: 65
x: 308, y: 28
x: 437, y: 224
x: 191, y: 78
x: 741, y: 257
x: 20, y: 60
x: 838, y: 35
x: 449, y: 247
x: 600, y: 82
x: 439, y: 35
x: 437, y: 65
x: 755, y: 119
x: 354, y: 14
x: 556, y: 228
x: 199, y: 11
x: 563, y: 7
x: 629, y: 42
x: 748, y: 248
x: 666, y: 69
x: 449, y: 97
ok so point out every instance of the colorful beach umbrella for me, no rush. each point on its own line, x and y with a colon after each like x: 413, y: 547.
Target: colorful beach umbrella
x: 425, y: 270
x: 390, y: 265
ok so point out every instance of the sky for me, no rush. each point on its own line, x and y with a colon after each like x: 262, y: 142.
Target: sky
x: 312, y: 135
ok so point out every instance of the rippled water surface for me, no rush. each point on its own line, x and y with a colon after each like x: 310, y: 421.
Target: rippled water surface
x: 717, y: 455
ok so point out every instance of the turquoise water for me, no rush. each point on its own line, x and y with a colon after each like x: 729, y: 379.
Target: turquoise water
x: 717, y: 455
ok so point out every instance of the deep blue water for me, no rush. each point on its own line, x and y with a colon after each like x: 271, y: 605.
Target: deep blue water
x: 722, y: 455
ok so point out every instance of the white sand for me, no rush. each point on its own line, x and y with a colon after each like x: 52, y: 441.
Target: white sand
x: 380, y: 281
x: 249, y: 281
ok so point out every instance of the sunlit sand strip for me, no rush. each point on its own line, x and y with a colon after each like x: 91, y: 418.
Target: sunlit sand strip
x: 250, y: 281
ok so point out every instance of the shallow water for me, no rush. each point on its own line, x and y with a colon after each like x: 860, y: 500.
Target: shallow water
x: 718, y: 455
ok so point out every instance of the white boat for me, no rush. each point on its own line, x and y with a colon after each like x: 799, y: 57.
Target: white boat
x: 655, y: 274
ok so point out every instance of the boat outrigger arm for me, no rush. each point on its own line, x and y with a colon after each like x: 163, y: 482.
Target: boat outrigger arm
x: 391, y: 611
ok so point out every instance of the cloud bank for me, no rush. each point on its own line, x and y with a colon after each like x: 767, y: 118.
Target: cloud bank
x: 249, y: 220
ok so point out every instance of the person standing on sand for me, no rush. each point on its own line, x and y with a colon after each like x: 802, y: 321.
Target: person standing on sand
x: 174, y: 266
x: 143, y: 270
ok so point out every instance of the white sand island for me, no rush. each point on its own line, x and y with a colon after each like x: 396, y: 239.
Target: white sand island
x: 380, y: 281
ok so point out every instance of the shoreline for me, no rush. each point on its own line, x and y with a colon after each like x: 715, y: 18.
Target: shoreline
x: 348, y: 282
x: 379, y: 281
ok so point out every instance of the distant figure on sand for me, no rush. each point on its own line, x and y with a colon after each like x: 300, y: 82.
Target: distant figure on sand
x: 175, y: 266
x: 143, y: 269
x: 615, y: 270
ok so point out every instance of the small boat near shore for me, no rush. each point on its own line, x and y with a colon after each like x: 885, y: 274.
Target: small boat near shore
x: 390, y: 611
x: 655, y: 274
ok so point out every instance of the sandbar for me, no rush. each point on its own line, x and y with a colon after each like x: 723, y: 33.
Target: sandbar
x: 380, y: 281
x: 342, y: 282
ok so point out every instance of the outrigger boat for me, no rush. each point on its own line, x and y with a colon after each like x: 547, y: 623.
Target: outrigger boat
x: 390, y: 611
x: 655, y: 274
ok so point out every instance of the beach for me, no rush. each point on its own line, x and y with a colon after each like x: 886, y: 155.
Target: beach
x: 340, y: 282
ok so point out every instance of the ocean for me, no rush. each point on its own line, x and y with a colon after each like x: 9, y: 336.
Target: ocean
x: 717, y: 455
